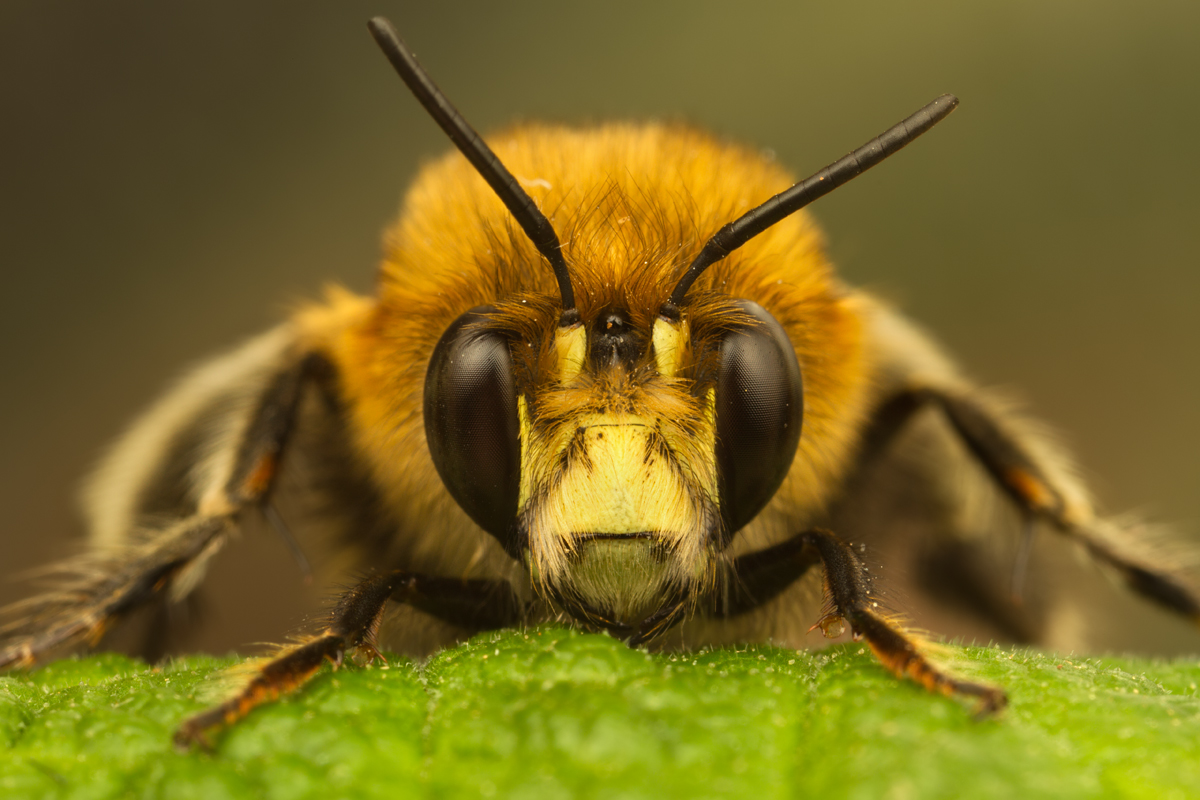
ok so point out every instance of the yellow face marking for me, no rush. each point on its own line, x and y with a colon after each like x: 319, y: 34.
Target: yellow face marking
x: 526, y: 439
x: 669, y: 341
x: 620, y: 483
x: 609, y: 476
x: 621, y: 504
x: 571, y: 345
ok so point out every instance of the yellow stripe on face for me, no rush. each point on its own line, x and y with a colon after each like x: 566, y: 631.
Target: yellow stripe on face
x: 525, y: 436
x: 669, y: 341
x: 571, y: 345
x: 620, y: 483
x: 595, y: 477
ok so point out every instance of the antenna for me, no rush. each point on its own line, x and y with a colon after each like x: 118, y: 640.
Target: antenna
x: 528, y: 216
x: 735, y: 234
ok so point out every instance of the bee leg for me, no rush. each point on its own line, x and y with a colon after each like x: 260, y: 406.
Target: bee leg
x: 103, y: 587
x: 98, y: 588
x: 847, y: 588
x: 1033, y: 490
x: 476, y: 604
x: 762, y: 575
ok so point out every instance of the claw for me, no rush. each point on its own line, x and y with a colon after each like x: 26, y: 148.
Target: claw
x: 369, y: 653
x: 831, y: 625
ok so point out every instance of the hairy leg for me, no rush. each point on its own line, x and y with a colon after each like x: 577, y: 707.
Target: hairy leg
x: 1035, y: 490
x: 764, y: 574
x: 847, y: 587
x: 98, y: 588
x: 477, y: 604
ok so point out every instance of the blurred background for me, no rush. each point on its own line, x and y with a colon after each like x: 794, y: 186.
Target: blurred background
x: 175, y: 175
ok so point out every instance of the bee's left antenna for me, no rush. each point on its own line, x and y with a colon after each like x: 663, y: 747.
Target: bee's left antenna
x: 751, y: 224
x: 471, y: 144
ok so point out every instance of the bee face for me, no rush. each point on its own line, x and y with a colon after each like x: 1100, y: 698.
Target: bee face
x: 618, y: 478
x: 618, y: 457
x: 593, y: 465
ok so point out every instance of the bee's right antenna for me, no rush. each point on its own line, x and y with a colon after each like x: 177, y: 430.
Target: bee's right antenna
x: 752, y: 223
x: 519, y: 203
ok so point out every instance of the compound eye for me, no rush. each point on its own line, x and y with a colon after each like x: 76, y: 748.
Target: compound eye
x: 471, y: 421
x: 759, y: 409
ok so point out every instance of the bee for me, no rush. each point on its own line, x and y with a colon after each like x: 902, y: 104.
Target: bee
x: 609, y: 377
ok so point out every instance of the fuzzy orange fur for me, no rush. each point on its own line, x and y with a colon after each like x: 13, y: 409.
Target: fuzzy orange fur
x: 632, y: 205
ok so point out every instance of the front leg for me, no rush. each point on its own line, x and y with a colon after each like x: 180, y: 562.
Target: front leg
x: 761, y: 576
x: 479, y: 604
x: 848, y: 592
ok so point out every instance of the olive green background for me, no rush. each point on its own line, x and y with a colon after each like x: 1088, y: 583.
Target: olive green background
x: 174, y: 175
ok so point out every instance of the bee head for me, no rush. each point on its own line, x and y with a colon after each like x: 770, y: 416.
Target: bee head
x: 614, y: 436
x: 616, y: 456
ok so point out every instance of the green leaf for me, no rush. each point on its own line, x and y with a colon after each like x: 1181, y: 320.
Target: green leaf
x: 551, y: 712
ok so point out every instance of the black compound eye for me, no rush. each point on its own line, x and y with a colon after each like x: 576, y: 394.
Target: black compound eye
x: 760, y: 408
x: 471, y: 422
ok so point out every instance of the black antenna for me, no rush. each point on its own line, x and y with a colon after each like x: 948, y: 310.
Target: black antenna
x: 528, y: 216
x: 752, y: 223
